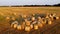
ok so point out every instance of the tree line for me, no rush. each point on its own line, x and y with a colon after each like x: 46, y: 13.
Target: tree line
x: 57, y: 5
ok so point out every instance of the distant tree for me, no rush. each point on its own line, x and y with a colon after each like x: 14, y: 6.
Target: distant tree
x: 57, y: 4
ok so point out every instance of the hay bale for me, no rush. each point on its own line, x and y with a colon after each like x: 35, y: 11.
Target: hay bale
x: 19, y: 27
x: 31, y: 26
x: 57, y: 17
x: 28, y: 23
x: 49, y: 22
x: 33, y: 18
x: 7, y: 18
x: 35, y: 27
x: 40, y: 25
x: 15, y: 26
x: 27, y: 28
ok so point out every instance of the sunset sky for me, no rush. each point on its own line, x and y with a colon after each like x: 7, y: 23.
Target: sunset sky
x: 28, y: 2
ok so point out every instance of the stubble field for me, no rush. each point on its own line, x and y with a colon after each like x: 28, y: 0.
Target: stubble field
x: 9, y: 11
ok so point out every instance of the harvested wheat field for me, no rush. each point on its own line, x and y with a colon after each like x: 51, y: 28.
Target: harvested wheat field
x: 8, y: 13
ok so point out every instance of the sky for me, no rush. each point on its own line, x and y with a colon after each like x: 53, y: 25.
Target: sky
x: 29, y: 2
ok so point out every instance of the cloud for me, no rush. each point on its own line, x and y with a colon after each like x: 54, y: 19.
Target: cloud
x: 28, y: 2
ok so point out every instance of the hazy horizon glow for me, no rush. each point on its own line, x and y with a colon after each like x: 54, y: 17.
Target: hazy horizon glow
x: 29, y: 2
